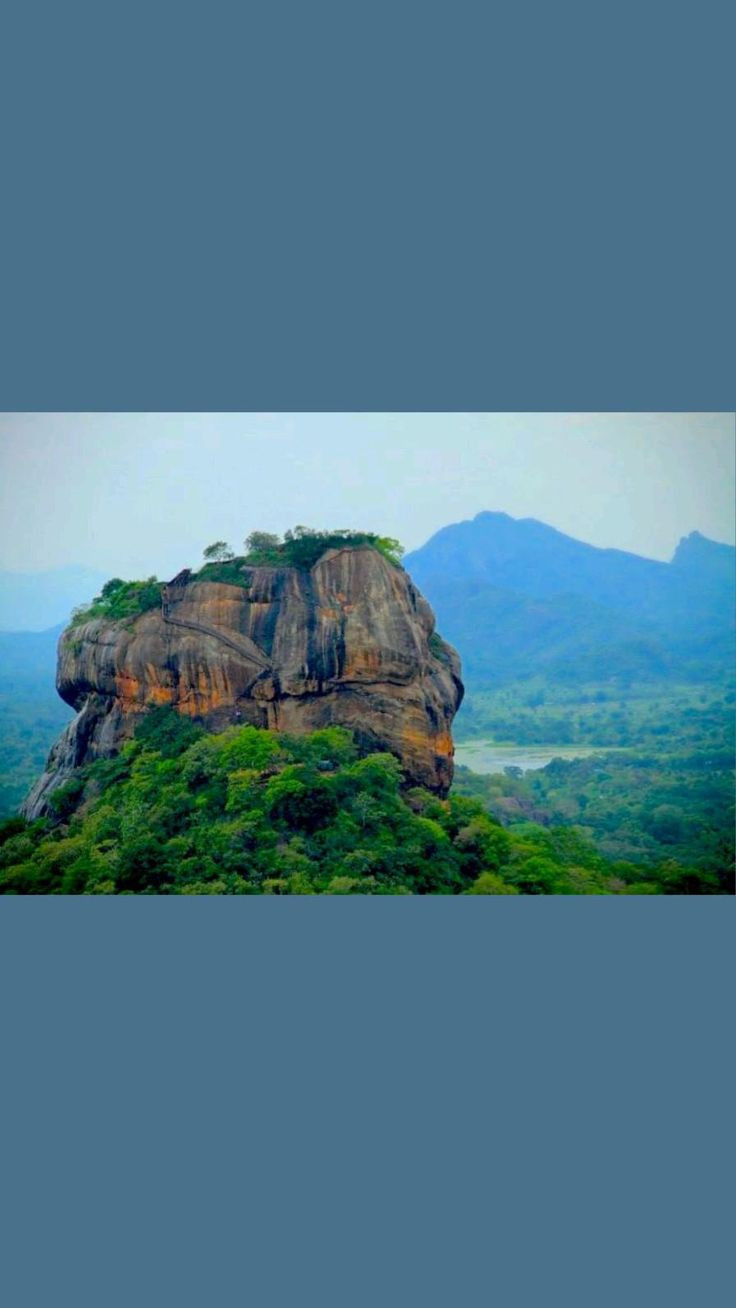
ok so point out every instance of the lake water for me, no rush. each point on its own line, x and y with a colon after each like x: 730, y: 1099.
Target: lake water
x: 485, y: 756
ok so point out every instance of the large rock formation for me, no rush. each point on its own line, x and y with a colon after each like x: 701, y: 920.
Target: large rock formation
x: 350, y: 642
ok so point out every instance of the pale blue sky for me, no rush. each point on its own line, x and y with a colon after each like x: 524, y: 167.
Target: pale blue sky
x: 139, y: 493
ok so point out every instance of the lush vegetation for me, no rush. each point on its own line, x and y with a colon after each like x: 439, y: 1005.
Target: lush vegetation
x: 672, y: 817
x: 252, y: 812
x: 31, y: 713
x: 608, y: 714
x: 230, y: 571
x: 28, y: 728
x: 663, y: 800
x: 181, y: 812
x: 300, y: 548
x: 564, y: 645
x: 119, y: 600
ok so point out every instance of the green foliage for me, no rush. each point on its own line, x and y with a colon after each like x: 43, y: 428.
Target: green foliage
x: 167, y: 732
x: 11, y: 826
x: 300, y: 548
x: 253, y: 812
x: 31, y: 713
x: 230, y: 572
x: 664, y: 816
x: 119, y: 600
x: 437, y: 647
x: 662, y: 803
x: 29, y: 724
x: 111, y: 588
x: 65, y: 800
x: 218, y: 552
x: 604, y: 714
x: 303, y: 546
x: 261, y: 541
x: 488, y: 883
x: 668, y: 816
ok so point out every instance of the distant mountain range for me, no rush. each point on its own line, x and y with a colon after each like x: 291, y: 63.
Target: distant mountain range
x: 34, y: 609
x: 517, y: 597
x: 35, y: 601
x: 26, y: 656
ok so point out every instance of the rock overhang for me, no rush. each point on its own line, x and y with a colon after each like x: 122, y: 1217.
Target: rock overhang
x: 348, y: 642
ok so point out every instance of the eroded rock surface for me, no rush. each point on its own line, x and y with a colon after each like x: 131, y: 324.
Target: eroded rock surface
x: 349, y: 643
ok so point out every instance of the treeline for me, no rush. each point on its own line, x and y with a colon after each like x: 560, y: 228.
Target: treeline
x: 652, y: 717
x: 179, y: 811
x: 29, y: 723
x: 664, y: 799
x: 31, y: 713
x: 672, y: 815
x: 301, y: 547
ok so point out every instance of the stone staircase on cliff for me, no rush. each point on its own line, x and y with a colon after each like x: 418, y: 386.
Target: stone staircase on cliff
x: 242, y: 645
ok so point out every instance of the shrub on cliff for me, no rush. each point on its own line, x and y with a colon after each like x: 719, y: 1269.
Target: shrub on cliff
x: 219, y: 552
x: 119, y: 600
x: 304, y: 546
x: 229, y: 571
x: 300, y: 548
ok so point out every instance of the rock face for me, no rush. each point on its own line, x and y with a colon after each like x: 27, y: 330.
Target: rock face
x: 349, y: 643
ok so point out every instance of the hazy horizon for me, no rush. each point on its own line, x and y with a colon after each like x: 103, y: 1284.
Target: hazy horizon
x: 135, y: 494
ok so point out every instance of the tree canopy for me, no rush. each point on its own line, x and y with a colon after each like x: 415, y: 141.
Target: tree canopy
x: 250, y: 811
x: 119, y: 600
x: 301, y: 547
x: 218, y: 552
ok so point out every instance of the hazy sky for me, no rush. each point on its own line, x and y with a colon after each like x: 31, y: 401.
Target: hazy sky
x: 135, y: 494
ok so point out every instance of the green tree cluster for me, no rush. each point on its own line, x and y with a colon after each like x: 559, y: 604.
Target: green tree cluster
x: 119, y: 600
x: 663, y: 819
x: 301, y: 547
x: 249, y: 811
x: 218, y: 552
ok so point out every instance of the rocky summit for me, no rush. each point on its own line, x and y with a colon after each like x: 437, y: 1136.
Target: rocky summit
x: 348, y: 642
